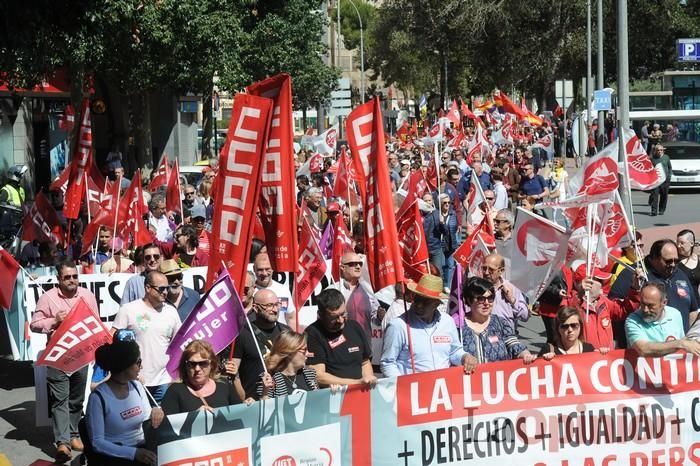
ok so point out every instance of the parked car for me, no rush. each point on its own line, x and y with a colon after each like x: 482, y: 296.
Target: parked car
x: 685, y: 160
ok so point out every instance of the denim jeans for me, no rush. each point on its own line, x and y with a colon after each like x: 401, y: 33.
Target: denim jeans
x: 158, y: 391
x: 66, y: 396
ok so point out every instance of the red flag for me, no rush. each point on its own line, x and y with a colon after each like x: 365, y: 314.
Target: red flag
x: 342, y: 243
x: 598, y: 177
x: 316, y: 163
x: 239, y: 185
x: 173, y: 201
x: 109, y: 205
x: 342, y: 183
x: 80, y: 164
x: 67, y: 120
x: 74, y: 342
x: 414, y: 248
x: 94, y: 196
x: 642, y: 173
x: 311, y: 267
x: 431, y: 174
x: 453, y: 114
x: 558, y: 111
x: 9, y: 268
x: 160, y: 177
x: 277, y: 202
x: 41, y: 222
x: 416, y: 188
x: 402, y: 132
x: 366, y: 138
x: 131, y: 210
x: 414, y: 128
x: 481, y: 237
x: 61, y: 183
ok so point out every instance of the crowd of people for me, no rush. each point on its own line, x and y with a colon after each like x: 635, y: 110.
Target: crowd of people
x: 647, y: 303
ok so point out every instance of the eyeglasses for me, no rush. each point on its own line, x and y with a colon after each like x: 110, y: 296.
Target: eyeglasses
x: 153, y: 257
x: 246, y: 289
x: 268, y: 306
x: 446, y: 203
x: 302, y: 350
x: 161, y: 289
x: 673, y: 260
x: 69, y: 277
x: 202, y: 364
x: 337, y: 317
x: 174, y: 278
x: 138, y: 362
x: 189, y: 194
x: 490, y: 198
x: 572, y: 326
x: 486, y: 269
x: 483, y: 299
x: 500, y: 220
x: 355, y: 263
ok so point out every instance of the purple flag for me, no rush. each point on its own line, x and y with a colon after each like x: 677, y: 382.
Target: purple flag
x: 455, y: 306
x: 217, y: 318
x: 326, y: 243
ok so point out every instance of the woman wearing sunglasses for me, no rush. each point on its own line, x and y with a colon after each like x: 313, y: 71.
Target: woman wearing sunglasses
x: 199, y: 387
x: 568, y: 337
x: 117, y: 409
x: 488, y: 337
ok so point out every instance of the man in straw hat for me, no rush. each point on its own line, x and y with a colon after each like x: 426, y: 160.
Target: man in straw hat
x: 424, y: 339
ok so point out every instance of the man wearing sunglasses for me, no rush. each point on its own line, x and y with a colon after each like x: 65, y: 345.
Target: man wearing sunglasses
x: 182, y: 298
x: 154, y: 323
x: 66, y: 392
x: 360, y: 302
x: 135, y: 286
x: 662, y: 265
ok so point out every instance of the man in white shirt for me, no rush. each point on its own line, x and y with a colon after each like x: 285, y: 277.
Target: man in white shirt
x: 263, y: 281
x: 155, y: 324
x: 158, y: 222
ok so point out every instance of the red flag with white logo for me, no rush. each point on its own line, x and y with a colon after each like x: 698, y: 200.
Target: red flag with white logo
x: 311, y: 267
x: 67, y: 120
x: 9, y: 269
x: 41, y: 222
x: 366, y: 137
x: 277, y: 202
x: 160, y: 178
x: 597, y: 179
x: 414, y: 248
x: 72, y: 346
x: 539, y: 251
x: 61, y: 182
x: 453, y: 115
x: 80, y: 164
x: 642, y: 172
x: 239, y: 185
x: 109, y: 203
x: 546, y: 143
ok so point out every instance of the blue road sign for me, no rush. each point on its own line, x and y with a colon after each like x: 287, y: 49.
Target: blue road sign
x: 688, y: 50
x: 602, y: 100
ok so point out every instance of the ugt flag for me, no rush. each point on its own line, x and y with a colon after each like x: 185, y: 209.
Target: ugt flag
x: 74, y: 342
x: 217, y: 318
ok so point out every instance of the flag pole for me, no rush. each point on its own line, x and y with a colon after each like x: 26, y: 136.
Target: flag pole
x: 408, y: 329
x: 87, y: 197
x: 252, y: 333
x: 116, y: 213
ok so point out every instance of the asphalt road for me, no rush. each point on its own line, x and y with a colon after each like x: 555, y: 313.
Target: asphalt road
x: 24, y: 444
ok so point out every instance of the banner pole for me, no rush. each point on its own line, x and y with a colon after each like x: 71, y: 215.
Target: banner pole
x: 408, y: 329
x: 116, y: 213
x: 87, y: 197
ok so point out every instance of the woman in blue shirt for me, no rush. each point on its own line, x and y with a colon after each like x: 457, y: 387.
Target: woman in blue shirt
x: 488, y: 337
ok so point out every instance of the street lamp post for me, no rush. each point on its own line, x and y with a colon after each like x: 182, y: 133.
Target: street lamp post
x: 362, y: 49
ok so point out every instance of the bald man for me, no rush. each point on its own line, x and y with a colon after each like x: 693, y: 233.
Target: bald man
x: 263, y: 281
x: 510, y: 303
x: 265, y: 330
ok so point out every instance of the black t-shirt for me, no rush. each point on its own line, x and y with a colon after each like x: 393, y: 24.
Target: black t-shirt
x: 178, y: 398
x: 244, y: 349
x: 343, y: 353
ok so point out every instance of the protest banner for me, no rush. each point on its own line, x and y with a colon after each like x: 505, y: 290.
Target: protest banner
x: 584, y: 410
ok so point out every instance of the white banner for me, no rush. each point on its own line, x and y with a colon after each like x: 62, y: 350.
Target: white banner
x: 230, y: 448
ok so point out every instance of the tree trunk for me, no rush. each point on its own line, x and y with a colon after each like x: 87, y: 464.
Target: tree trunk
x: 142, y: 129
x: 207, y: 121
x: 303, y: 119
